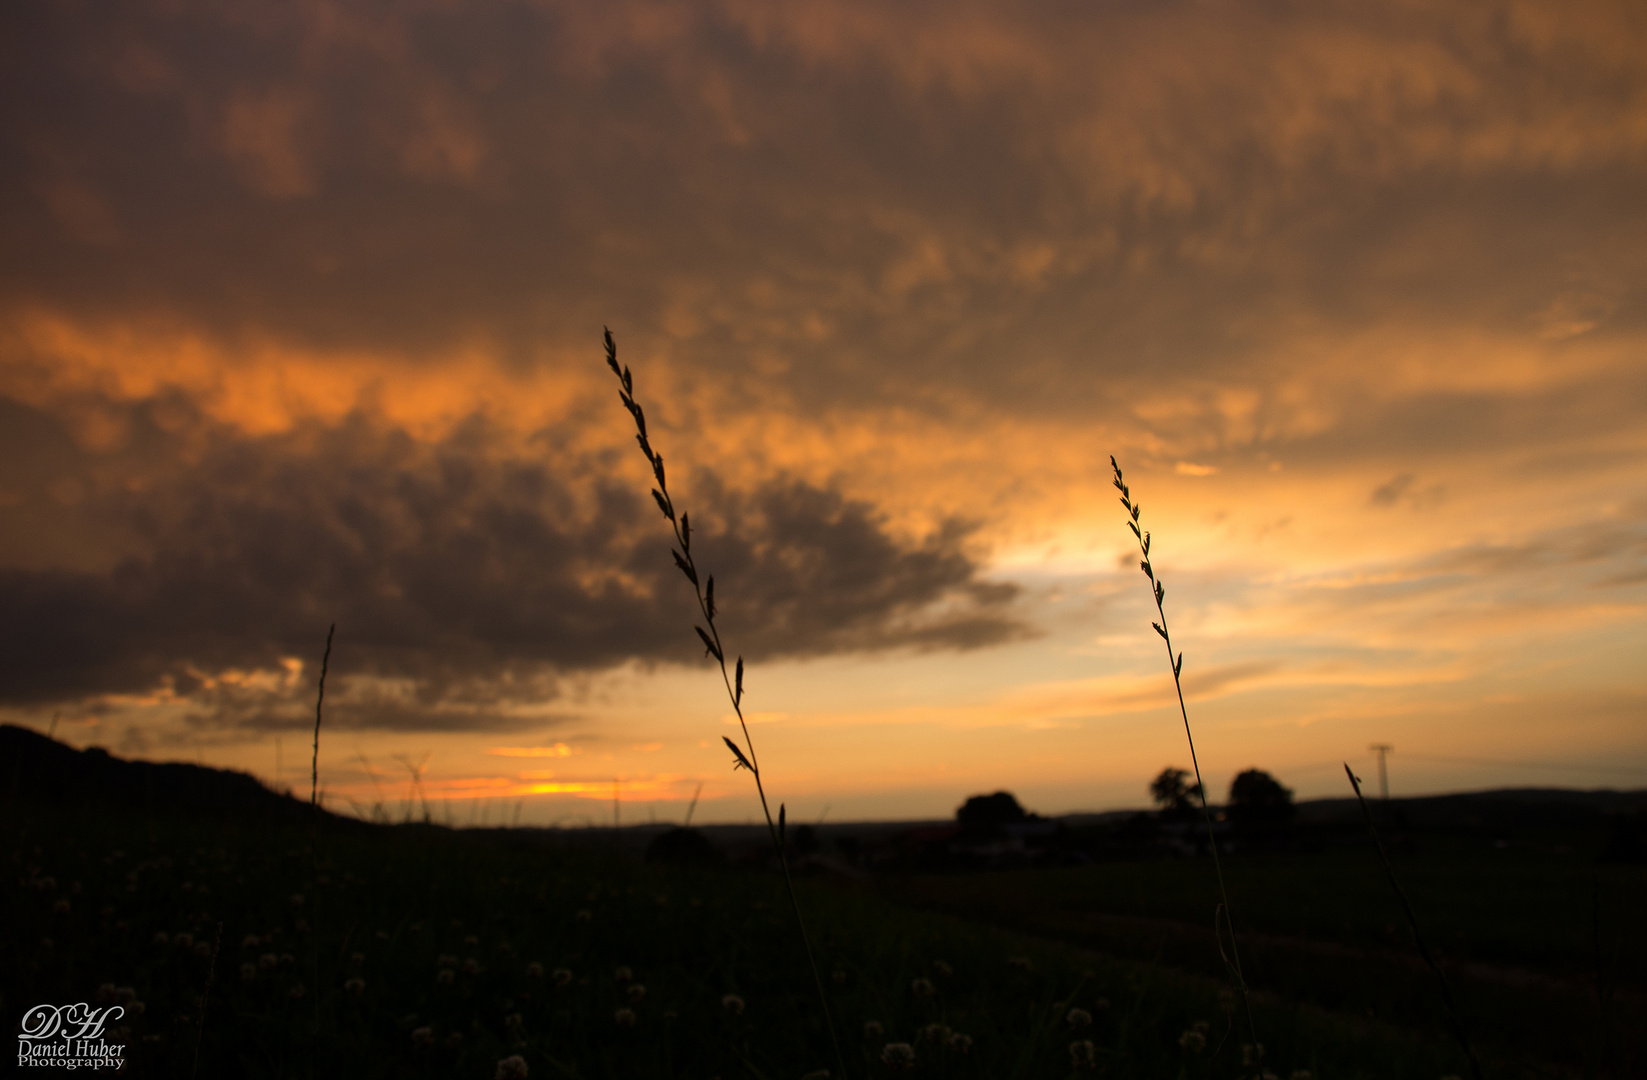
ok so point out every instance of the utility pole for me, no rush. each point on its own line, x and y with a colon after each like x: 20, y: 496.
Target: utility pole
x: 1382, y: 749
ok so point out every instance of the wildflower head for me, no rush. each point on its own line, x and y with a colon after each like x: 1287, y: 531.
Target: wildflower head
x: 898, y: 1056
x: 637, y: 993
x: 936, y: 1033
x: 1079, y: 1018
x: 534, y: 970
x: 354, y: 987
x: 960, y: 1043
x: 873, y: 1029
x: 1193, y: 1041
x: 445, y: 976
x: 922, y: 988
x: 1082, y: 1054
x: 623, y: 974
x: 423, y: 1036
x: 624, y: 1017
x: 562, y: 976
x: 512, y: 1067
x: 733, y: 1004
x: 251, y: 941
x: 182, y: 941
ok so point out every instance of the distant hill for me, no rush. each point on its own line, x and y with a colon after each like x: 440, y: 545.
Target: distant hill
x: 35, y: 769
x: 1503, y: 808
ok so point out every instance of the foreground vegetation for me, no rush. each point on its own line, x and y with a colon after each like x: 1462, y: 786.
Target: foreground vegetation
x: 444, y: 954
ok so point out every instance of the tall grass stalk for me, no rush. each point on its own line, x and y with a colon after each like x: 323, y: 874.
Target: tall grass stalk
x: 703, y: 587
x: 205, y: 1001
x: 314, y: 844
x: 1453, y: 1020
x: 1222, y: 922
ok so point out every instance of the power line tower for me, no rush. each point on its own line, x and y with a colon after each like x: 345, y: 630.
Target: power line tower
x: 1381, y: 749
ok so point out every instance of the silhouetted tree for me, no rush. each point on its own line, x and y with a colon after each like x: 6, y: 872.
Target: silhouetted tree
x: 1173, y: 793
x: 989, y: 811
x: 1256, y: 797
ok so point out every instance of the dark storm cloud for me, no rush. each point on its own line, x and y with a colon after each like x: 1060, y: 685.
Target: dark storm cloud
x: 460, y: 574
x: 1111, y: 196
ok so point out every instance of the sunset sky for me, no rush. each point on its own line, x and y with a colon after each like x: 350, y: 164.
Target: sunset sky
x: 301, y: 306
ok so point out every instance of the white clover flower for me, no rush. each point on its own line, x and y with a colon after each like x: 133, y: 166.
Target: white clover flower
x: 898, y: 1056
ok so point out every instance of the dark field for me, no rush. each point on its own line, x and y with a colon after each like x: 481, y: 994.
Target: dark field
x: 537, y: 933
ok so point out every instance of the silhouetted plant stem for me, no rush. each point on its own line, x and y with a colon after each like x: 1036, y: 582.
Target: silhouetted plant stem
x: 314, y: 847
x: 709, y: 635
x: 1221, y: 920
x: 205, y: 999
x: 1412, y: 922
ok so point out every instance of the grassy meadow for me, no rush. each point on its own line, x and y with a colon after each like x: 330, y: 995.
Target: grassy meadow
x: 420, y: 951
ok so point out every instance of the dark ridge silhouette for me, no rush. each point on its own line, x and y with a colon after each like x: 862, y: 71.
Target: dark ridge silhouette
x: 35, y: 769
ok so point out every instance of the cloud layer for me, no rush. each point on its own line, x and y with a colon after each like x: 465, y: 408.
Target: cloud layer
x: 300, y: 309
